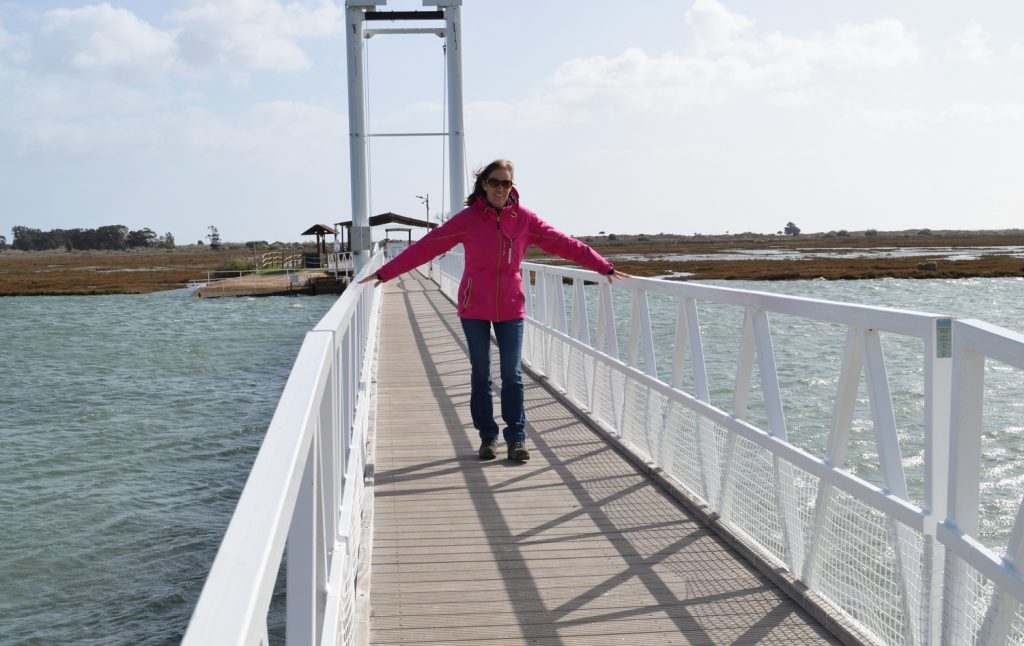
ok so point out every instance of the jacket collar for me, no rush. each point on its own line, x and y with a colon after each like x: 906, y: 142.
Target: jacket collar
x: 485, y: 208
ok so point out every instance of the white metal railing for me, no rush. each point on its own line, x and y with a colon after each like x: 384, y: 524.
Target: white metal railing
x: 907, y: 572
x: 306, y: 490
x: 232, y: 279
x: 983, y: 592
x: 341, y: 262
x: 896, y: 564
x: 280, y: 260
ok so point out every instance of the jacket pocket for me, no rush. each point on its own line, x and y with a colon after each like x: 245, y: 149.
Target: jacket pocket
x: 465, y: 294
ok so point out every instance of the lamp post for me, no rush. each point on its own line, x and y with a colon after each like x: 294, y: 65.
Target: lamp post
x: 425, y: 200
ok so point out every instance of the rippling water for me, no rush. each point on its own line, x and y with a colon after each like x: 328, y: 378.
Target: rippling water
x: 128, y: 426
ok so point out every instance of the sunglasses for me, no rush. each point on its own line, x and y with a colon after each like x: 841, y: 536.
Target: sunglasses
x: 495, y: 183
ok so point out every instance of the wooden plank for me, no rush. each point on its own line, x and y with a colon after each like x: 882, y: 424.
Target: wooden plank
x: 574, y: 547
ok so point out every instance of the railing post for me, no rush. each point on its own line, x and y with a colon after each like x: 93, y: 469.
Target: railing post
x: 529, y: 336
x: 891, y: 464
x: 785, y: 488
x: 838, y: 443
x: 720, y: 489
x: 938, y: 368
x: 688, y: 334
x: 640, y: 334
x: 607, y: 342
x: 581, y: 332
x: 562, y: 325
x: 968, y: 385
x: 541, y: 313
x: 330, y: 454
x: 300, y: 612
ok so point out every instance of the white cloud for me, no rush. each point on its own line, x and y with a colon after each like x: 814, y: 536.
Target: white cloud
x: 720, y: 34
x: 238, y: 36
x: 638, y: 82
x: 277, y: 132
x: 103, y: 39
x: 971, y: 45
x: 253, y: 34
x: 732, y: 59
x: 988, y: 113
x: 1010, y: 114
x: 530, y: 113
x: 716, y: 29
x: 796, y: 98
x: 900, y: 119
x: 878, y: 45
x: 1016, y: 52
x: 78, y: 118
x: 12, y: 50
x: 107, y: 120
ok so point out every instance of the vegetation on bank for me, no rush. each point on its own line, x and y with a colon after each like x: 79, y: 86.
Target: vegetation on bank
x: 114, y: 237
x: 657, y: 249
x: 147, y: 269
x: 134, y: 271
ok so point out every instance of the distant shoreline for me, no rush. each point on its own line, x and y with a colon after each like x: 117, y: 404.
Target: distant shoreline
x: 906, y: 264
x: 144, y: 271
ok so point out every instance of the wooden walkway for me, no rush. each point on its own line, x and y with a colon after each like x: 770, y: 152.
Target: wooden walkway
x: 573, y: 547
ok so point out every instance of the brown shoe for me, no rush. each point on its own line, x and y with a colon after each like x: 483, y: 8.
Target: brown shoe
x: 489, y: 449
x: 517, y: 451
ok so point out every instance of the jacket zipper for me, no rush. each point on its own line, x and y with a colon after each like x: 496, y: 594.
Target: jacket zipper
x: 497, y: 277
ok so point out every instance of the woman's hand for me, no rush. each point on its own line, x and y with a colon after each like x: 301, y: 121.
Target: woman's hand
x: 618, y: 275
x: 371, y: 277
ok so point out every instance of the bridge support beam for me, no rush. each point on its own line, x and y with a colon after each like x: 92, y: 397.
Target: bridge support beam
x: 360, y: 239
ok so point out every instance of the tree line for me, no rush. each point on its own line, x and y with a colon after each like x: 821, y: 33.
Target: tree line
x: 114, y: 237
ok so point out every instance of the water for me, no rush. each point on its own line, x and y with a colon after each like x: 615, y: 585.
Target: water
x: 939, y: 253
x: 128, y: 425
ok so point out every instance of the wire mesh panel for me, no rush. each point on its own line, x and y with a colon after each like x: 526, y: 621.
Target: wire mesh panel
x: 971, y: 597
x: 684, y: 458
x: 751, y: 503
x: 858, y: 568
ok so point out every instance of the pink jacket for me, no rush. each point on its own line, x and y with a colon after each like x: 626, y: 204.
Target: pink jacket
x: 495, y: 243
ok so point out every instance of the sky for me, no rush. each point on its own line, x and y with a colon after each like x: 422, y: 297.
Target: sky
x: 648, y: 116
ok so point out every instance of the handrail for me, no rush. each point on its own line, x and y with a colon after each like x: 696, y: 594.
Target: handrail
x: 306, y: 489
x: 894, y: 561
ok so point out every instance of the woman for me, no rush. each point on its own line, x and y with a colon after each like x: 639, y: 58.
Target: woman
x: 495, y: 230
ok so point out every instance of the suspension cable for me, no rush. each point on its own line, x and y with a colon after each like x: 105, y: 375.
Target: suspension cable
x: 444, y: 125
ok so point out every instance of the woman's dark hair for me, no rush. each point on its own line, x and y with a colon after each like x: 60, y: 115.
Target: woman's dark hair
x: 484, y: 173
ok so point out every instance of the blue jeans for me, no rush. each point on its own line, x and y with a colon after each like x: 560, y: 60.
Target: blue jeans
x: 510, y: 349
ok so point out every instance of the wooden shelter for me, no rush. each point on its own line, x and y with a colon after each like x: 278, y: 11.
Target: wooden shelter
x: 320, y: 231
x: 381, y: 219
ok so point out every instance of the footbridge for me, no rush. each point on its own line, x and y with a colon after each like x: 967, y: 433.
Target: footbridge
x: 664, y: 504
